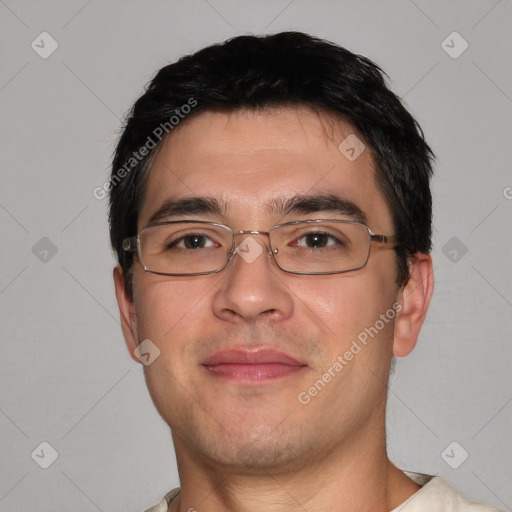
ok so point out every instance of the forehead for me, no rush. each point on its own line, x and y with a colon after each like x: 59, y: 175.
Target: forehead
x: 248, y: 159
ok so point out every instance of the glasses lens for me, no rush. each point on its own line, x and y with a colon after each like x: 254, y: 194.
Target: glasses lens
x: 320, y: 247
x: 185, y: 248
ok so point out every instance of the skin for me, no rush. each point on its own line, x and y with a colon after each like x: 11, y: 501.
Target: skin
x: 256, y: 447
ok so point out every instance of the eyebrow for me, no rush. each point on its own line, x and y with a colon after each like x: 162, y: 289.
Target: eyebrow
x: 305, y: 204
x: 279, y: 207
x: 188, y: 206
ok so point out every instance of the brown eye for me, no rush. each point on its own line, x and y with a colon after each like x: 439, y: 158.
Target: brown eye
x: 192, y: 242
x: 316, y: 240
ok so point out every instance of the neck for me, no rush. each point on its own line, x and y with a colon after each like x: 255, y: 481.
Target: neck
x: 356, y: 475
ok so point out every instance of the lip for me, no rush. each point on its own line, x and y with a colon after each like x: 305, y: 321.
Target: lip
x: 252, y: 366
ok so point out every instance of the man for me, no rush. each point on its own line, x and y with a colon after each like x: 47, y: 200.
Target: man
x: 271, y: 213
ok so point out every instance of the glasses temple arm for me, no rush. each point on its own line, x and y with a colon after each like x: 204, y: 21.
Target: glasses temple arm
x: 383, y: 239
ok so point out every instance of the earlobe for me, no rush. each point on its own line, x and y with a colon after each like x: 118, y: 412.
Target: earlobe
x: 414, y: 299
x: 126, y: 313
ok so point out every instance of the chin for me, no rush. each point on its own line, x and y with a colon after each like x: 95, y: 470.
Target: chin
x: 278, y: 456
x: 254, y: 451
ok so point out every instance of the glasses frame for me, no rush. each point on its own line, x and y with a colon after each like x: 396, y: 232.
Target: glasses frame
x: 132, y: 244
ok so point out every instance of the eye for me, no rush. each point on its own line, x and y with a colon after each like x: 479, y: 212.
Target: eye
x: 316, y: 240
x: 192, y: 241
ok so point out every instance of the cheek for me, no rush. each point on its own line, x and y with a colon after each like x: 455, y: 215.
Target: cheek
x: 170, y: 313
x: 168, y: 309
x: 343, y: 306
x: 334, y: 306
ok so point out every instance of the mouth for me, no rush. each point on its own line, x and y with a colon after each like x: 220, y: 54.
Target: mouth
x: 252, y: 366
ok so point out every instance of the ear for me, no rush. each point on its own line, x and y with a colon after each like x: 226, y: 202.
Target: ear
x: 414, y: 299
x: 126, y: 313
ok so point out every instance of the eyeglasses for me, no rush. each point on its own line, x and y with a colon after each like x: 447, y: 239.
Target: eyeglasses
x: 190, y: 247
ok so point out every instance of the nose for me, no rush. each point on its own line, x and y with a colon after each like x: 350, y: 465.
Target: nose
x: 253, y: 287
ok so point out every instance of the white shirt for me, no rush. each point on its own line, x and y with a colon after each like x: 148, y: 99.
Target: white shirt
x: 434, y: 496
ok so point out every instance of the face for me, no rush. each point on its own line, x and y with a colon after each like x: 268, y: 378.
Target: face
x: 258, y: 367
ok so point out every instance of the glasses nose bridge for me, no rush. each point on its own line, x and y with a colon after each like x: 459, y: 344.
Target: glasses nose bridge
x: 251, y: 232
x: 266, y: 234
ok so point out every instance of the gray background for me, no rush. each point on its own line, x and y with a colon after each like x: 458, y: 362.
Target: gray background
x: 66, y: 376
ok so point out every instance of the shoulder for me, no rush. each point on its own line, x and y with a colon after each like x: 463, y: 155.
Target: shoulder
x: 437, y: 495
x: 164, y: 504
